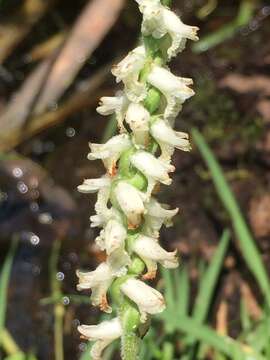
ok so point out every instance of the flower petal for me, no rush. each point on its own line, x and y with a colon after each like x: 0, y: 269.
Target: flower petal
x: 103, y: 333
x: 130, y: 201
x: 174, y: 88
x: 137, y: 118
x: 128, y: 71
x: 148, y: 299
x: 99, y: 282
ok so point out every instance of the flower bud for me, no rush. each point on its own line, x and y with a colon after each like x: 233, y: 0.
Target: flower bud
x: 110, y: 151
x: 149, y: 250
x: 128, y: 71
x: 148, y: 299
x: 99, y: 282
x: 174, y: 88
x: 115, y: 104
x: 168, y: 139
x: 103, y: 333
x: 155, y: 217
x: 137, y: 118
x: 153, y: 168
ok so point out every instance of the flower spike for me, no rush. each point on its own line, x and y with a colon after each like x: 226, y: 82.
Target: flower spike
x: 137, y: 161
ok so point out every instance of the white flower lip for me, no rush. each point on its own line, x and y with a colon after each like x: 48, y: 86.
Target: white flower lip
x: 99, y: 282
x: 168, y: 139
x: 128, y: 71
x: 114, y: 244
x: 137, y: 117
x: 103, y: 333
x: 155, y: 217
x: 174, y: 88
x: 148, y: 299
x: 152, y: 167
x: 131, y: 202
x: 94, y: 185
x: 110, y: 151
x: 114, y: 104
x: 151, y: 252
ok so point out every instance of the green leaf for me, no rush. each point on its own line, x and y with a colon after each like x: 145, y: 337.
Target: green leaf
x: 247, y: 244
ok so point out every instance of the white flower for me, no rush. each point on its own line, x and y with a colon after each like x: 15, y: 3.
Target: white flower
x: 99, y: 282
x: 112, y: 239
x: 168, y: 139
x: 94, y: 185
x: 151, y: 252
x: 103, y: 333
x: 128, y: 71
x: 137, y: 118
x: 148, y: 299
x: 155, y: 217
x: 131, y: 203
x: 103, y: 213
x: 153, y: 168
x: 110, y: 151
x: 174, y: 88
x: 116, y: 104
x: 159, y: 21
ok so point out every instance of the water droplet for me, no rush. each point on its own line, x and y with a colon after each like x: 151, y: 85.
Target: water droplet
x: 266, y: 10
x: 65, y: 300
x: 70, y: 132
x: 45, y: 218
x: 36, y: 270
x: 3, y: 196
x: 34, y: 206
x: 17, y: 172
x: 60, y: 276
x: 22, y: 187
x: 34, y: 239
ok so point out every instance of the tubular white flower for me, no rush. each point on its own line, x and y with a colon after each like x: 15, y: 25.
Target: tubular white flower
x: 131, y: 202
x: 153, y: 168
x: 151, y: 252
x: 114, y: 104
x: 158, y: 21
x: 174, y: 88
x: 112, y: 239
x: 128, y: 71
x: 99, y: 282
x: 110, y: 151
x: 156, y: 215
x: 148, y: 299
x: 168, y: 139
x: 103, y: 333
x: 137, y: 118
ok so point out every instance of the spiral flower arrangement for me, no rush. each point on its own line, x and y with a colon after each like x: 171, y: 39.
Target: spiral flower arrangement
x: 136, y: 160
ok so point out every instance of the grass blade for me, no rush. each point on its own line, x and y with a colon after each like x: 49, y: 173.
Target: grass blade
x: 223, y: 344
x: 248, y: 246
x: 182, y: 286
x: 4, y: 280
x: 209, y: 280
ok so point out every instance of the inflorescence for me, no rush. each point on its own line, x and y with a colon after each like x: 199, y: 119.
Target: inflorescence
x: 137, y: 160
